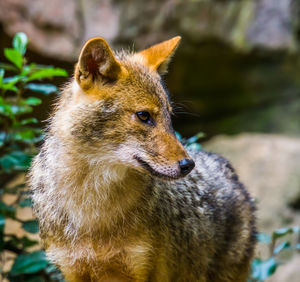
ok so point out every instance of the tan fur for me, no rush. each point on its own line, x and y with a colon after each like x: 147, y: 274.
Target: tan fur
x: 157, y: 57
x: 108, y: 190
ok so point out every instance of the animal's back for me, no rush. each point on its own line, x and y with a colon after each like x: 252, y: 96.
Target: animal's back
x: 207, y: 220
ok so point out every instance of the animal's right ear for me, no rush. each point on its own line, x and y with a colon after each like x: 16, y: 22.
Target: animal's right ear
x: 96, y: 63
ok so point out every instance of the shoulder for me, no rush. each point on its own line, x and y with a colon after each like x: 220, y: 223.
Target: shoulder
x: 212, y: 166
x: 212, y: 198
x: 215, y: 177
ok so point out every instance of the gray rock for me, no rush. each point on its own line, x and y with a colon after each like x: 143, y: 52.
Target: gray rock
x: 237, y: 67
x: 269, y: 166
x: 272, y: 24
x: 58, y: 29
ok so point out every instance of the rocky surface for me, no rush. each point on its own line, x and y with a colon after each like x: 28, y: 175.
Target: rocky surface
x: 237, y: 68
x: 62, y: 27
x: 269, y: 166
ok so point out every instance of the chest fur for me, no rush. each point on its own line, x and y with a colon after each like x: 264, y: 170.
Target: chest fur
x: 133, y: 258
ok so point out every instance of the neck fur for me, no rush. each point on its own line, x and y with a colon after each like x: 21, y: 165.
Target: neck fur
x: 95, y: 197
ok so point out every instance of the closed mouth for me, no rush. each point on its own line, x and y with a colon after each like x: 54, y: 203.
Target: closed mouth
x: 146, y: 166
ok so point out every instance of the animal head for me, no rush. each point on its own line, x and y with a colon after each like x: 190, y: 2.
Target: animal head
x: 119, y: 112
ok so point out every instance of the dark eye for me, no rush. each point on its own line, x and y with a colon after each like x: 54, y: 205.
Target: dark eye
x: 145, y: 117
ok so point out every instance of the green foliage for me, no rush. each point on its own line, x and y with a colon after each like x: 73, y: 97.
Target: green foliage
x: 20, y: 88
x: 29, y: 263
x: 283, y: 242
x: 191, y: 142
x: 20, y: 42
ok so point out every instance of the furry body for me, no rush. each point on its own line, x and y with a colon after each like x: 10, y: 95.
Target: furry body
x: 104, y: 214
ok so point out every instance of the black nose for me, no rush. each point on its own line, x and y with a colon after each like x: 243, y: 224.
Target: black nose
x: 186, y: 166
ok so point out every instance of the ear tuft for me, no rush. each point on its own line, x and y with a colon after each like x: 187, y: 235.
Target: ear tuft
x: 158, y: 56
x: 97, y: 61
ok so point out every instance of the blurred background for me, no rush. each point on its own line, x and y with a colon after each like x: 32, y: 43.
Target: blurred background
x: 235, y: 77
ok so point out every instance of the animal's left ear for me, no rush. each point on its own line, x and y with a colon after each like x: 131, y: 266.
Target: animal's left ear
x: 96, y: 63
x: 158, y: 56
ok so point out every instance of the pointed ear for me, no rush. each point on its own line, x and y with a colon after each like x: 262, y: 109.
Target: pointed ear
x: 96, y: 62
x: 158, y: 56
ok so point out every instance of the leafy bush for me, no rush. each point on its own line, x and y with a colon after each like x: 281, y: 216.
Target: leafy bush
x: 20, y: 88
x: 282, y: 244
x: 192, y: 142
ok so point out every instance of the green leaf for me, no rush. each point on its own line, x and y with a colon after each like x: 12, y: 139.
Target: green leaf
x: 28, y: 121
x: 195, y: 138
x: 194, y: 146
x: 8, y: 83
x: 6, y: 110
x: 31, y: 226
x: 14, y: 189
x: 24, y: 135
x: 28, y: 135
x: 47, y: 73
x: 25, y: 203
x: 13, y: 79
x: 14, y: 56
x: 9, y: 67
x: 284, y: 231
x: 262, y: 269
x: 28, y: 242
x: 282, y: 246
x: 29, y: 263
x: 2, y: 138
x: 179, y: 137
x: 7, y: 210
x: 23, y: 242
x: 11, y: 110
x: 19, y: 43
x: 1, y: 76
x: 16, y: 160
x: 19, y: 110
x: 26, y: 69
x: 33, y: 101
x: 43, y: 88
x: 2, y: 222
x: 9, y: 87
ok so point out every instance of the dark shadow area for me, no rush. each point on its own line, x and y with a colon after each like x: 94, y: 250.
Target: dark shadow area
x: 217, y: 90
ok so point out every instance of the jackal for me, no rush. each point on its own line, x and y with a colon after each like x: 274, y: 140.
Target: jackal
x: 118, y: 197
